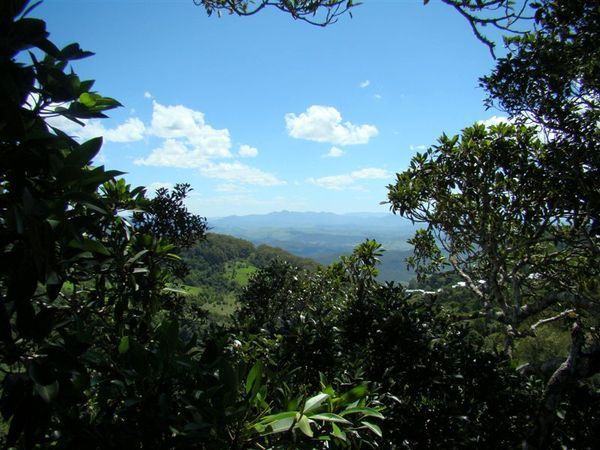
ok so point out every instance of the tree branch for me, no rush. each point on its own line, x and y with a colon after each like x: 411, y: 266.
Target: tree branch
x: 472, y: 285
x: 551, y: 319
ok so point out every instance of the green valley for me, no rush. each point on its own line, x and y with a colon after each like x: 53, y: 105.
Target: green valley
x: 220, y: 266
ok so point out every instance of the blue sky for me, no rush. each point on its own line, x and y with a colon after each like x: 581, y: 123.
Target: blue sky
x: 265, y: 113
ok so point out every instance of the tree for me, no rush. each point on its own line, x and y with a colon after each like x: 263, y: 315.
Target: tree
x: 551, y: 78
x: 520, y: 212
x: 484, y: 198
x: 315, y: 12
x: 92, y: 351
x: 439, y: 388
x: 80, y: 287
x: 505, y: 15
x: 166, y: 215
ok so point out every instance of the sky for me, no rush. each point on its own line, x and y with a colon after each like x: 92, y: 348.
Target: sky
x: 265, y: 113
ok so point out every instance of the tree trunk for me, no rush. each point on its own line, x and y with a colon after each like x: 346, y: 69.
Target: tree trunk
x: 578, y: 365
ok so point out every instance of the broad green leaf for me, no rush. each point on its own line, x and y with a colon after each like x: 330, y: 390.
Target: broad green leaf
x: 374, y: 428
x: 314, y: 402
x: 88, y: 99
x: 338, y: 433
x: 304, y: 425
x: 253, y: 377
x: 353, y: 394
x: 330, y: 417
x: 279, y: 416
x: 124, y: 345
x: 365, y: 411
x: 48, y: 392
x: 280, y: 426
x: 83, y: 154
x: 137, y: 256
x: 89, y: 245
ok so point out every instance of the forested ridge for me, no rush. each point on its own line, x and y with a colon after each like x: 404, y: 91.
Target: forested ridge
x: 102, y: 344
x: 220, y: 266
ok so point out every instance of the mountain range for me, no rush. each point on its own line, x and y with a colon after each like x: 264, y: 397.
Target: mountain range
x: 324, y: 236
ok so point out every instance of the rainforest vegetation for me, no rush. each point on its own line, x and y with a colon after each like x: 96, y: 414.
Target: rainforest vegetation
x: 106, y: 339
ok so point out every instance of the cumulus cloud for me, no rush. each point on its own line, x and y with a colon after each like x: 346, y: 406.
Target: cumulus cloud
x: 180, y: 122
x: 189, y: 142
x: 324, y: 124
x: 344, y: 181
x: 153, y: 187
x: 495, y: 120
x: 131, y: 130
x: 147, y: 95
x: 420, y: 147
x: 239, y: 173
x: 364, y: 84
x: 230, y: 187
x: 174, y: 153
x: 334, y: 152
x: 247, y: 152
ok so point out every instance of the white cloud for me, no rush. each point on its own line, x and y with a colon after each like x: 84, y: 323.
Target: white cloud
x: 174, y: 153
x: 370, y: 173
x: 153, y: 187
x: 364, y: 84
x: 180, y: 122
x: 344, y: 181
x: 494, y: 120
x: 189, y: 142
x: 131, y: 130
x: 334, y: 152
x: 419, y: 147
x: 147, y: 95
x: 324, y: 124
x: 378, y: 96
x: 240, y: 173
x: 230, y: 187
x: 247, y: 152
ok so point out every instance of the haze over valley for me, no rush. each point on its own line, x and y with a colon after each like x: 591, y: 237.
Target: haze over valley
x: 324, y: 236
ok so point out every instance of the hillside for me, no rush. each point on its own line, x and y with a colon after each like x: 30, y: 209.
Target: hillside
x: 324, y: 237
x: 220, y: 266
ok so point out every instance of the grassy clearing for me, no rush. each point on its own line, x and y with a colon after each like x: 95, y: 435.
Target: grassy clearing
x: 219, y: 307
x: 239, y: 272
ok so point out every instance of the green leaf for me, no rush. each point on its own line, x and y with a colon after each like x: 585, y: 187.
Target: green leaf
x: 338, y: 433
x: 137, y: 256
x: 48, y: 392
x: 74, y: 51
x: 87, y: 99
x: 84, y: 153
x: 89, y: 245
x: 98, y: 176
x: 365, y: 411
x: 279, y: 416
x: 167, y: 289
x: 314, y: 402
x: 285, y: 423
x: 374, y: 428
x: 353, y: 394
x: 304, y: 425
x: 330, y: 417
x: 253, y: 377
x: 124, y: 345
